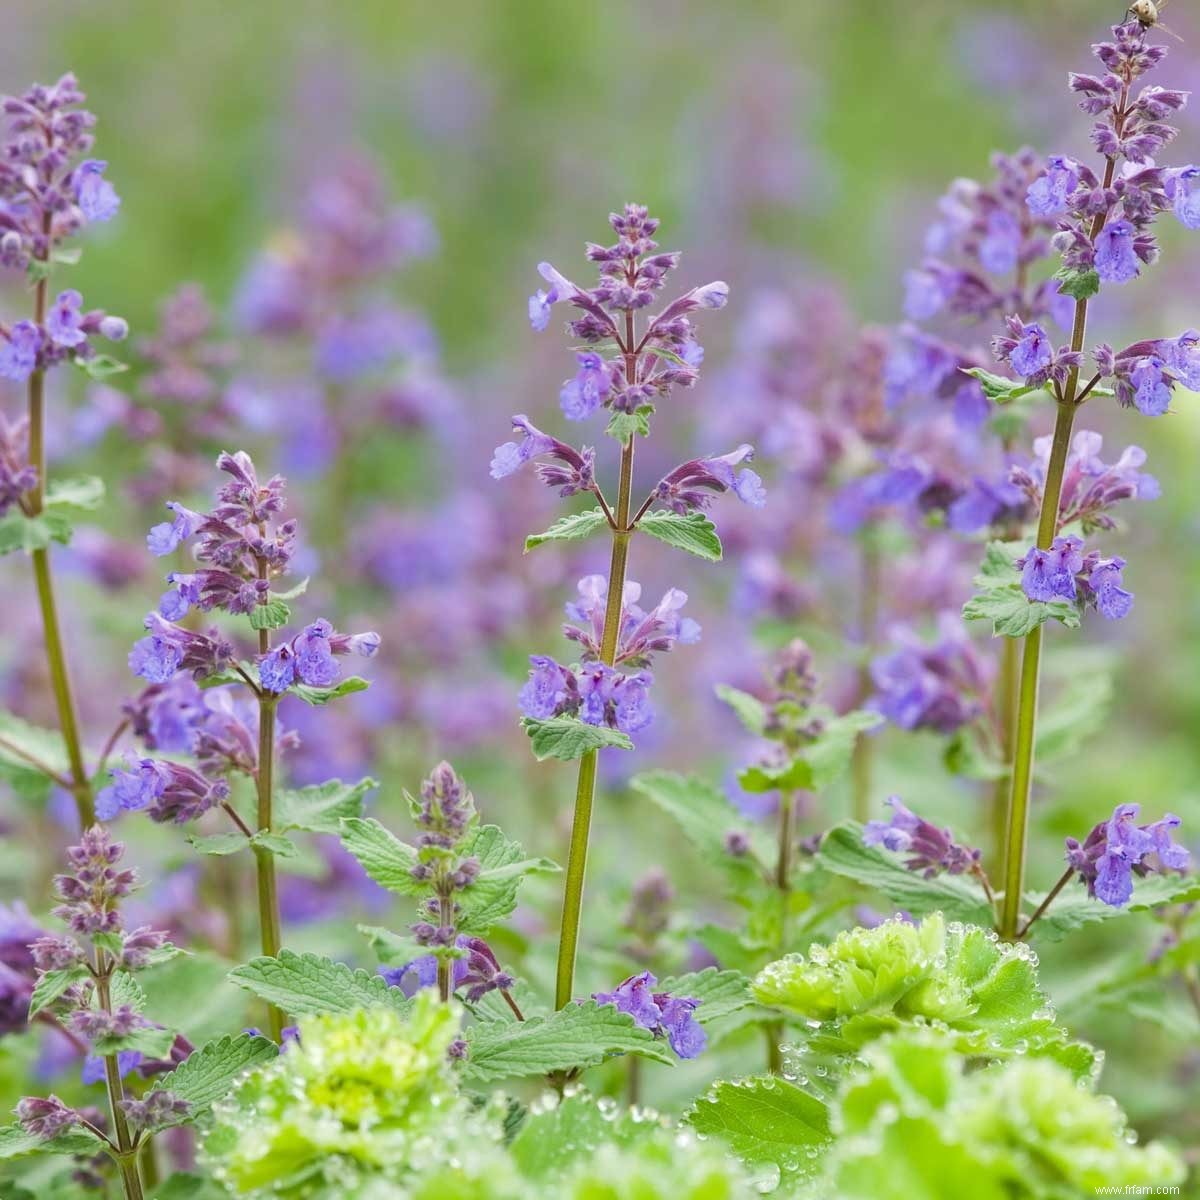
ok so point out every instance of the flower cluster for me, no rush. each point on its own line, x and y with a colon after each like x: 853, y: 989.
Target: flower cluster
x: 665, y: 1015
x: 1027, y: 348
x: 477, y: 969
x: 1117, y: 849
x: 631, y: 274
x: 597, y: 693
x: 939, y: 685
x: 17, y: 475
x: 1065, y: 572
x: 1145, y: 373
x: 170, y: 791
x: 930, y: 850
x: 48, y: 192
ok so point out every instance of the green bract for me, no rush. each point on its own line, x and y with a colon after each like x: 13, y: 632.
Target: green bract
x: 916, y: 1123
x: 365, y: 1094
x: 982, y: 994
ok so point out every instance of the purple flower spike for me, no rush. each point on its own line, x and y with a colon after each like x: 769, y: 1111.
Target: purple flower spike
x: 664, y: 1015
x: 694, y: 484
x: 1050, y: 574
x: 931, y: 850
x: 1118, y: 849
x: 578, y: 467
x: 1104, y: 584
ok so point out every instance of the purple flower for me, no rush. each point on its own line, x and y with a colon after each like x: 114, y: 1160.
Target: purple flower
x: 664, y: 1015
x: 1151, y: 393
x: 19, y: 353
x: 64, y: 320
x: 1033, y: 351
x: 1000, y: 246
x: 931, y: 850
x: 171, y: 791
x: 549, y: 690
x: 311, y: 657
x: 1048, y: 194
x: 45, y: 1117
x: 169, y: 649
x: 1116, y: 259
x: 924, y: 294
x: 641, y: 635
x: 1181, y: 187
x: 1117, y: 849
x: 575, y: 475
x: 581, y: 396
x: 694, y: 484
x: 1105, y: 590
x: 165, y: 538
x: 1050, y: 574
x: 96, y: 197
x: 540, y: 303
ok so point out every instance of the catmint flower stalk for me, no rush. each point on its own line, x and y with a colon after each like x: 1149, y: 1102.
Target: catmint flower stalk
x: 56, y: 657
x: 127, y: 1159
x: 585, y: 789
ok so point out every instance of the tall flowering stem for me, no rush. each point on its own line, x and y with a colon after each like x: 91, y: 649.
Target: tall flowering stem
x: 268, y: 892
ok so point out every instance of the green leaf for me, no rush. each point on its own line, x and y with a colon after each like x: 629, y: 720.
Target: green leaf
x: 272, y: 615
x: 293, y: 592
x: 579, y: 1035
x: 51, y: 985
x: 694, y: 532
x: 208, y: 1074
x: 818, y: 764
x: 152, y: 1043
x: 568, y: 738
x: 20, y: 741
x: 964, y: 756
x: 569, y: 529
x: 999, y: 388
x: 721, y: 993
x: 100, y: 366
x: 704, y: 815
x: 274, y: 843
x: 556, y: 1136
x: 308, y: 983
x: 219, y: 843
x: 86, y: 492
x: 318, y: 696
x: 749, y: 709
x: 384, y: 857
x: 1002, y: 600
x: 1077, y: 282
x: 492, y: 897
x: 321, y: 807
x: 766, y: 1122
x: 19, y: 532
x: 16, y: 1143
x: 624, y: 425
x: 843, y: 852
x: 1076, y: 715
x: 1074, y: 908
x: 791, y: 776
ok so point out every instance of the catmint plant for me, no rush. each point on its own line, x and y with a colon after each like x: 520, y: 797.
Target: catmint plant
x: 242, y: 546
x: 1104, y: 234
x: 49, y: 191
x: 629, y: 366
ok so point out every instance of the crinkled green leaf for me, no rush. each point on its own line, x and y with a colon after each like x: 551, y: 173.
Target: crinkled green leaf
x: 19, y: 532
x: 16, y: 1143
x: 1073, y: 908
x: 721, y: 993
x: 750, y: 709
x: 209, y: 1072
x: 999, y: 388
x: 309, y: 983
x: 571, y: 528
x: 320, y: 807
x: 767, y: 1122
x: 318, y: 696
x: 1077, y: 282
x: 579, y: 1035
x: 694, y: 532
x: 84, y: 493
x: 1002, y: 600
x: 273, y: 615
x: 51, y: 985
x: 568, y: 738
x: 492, y: 897
x: 219, y: 843
x: 623, y: 425
x: 384, y: 857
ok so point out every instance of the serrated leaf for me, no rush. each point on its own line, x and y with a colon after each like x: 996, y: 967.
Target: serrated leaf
x: 624, y: 425
x: 492, y: 897
x: 208, y: 1074
x: 19, y: 532
x: 579, y: 1035
x: 749, y: 709
x: 1074, y: 908
x: 272, y: 615
x: 721, y: 993
x: 569, y: 529
x: 219, y: 843
x: 321, y: 807
x: 318, y: 696
x: 309, y: 983
x: 705, y: 816
x: 999, y: 388
x: 795, y: 775
x: 844, y: 853
x: 766, y: 1121
x: 148, y: 1041
x: 51, y: 985
x: 16, y: 1143
x: 384, y: 857
x: 274, y: 843
x: 86, y: 492
x: 1077, y: 282
x: 1014, y: 615
x: 568, y: 738
x: 694, y: 532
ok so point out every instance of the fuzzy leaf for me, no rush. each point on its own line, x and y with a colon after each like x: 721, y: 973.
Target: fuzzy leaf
x: 152, y: 1043
x: 568, y: 738
x: 766, y: 1122
x: 1078, y: 283
x: 492, y: 897
x: 1014, y: 615
x: 624, y: 425
x: 571, y: 528
x: 1074, y: 908
x: 86, y: 492
x: 580, y: 1035
x: 51, y: 985
x: 272, y: 615
x: 749, y: 709
x: 999, y: 388
x: 19, y: 532
x: 274, y: 843
x: 844, y: 853
x: 308, y: 983
x: 383, y: 856
x: 209, y: 1073
x: 321, y: 807
x: 721, y: 993
x: 219, y: 843
x: 318, y: 696
x: 16, y: 1143
x: 694, y: 532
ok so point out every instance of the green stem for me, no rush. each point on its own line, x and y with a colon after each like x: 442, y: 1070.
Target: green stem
x: 268, y: 894
x: 443, y: 978
x: 56, y: 658
x: 860, y: 763
x: 773, y: 1031
x: 127, y: 1151
x: 1006, y: 719
x: 585, y: 791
